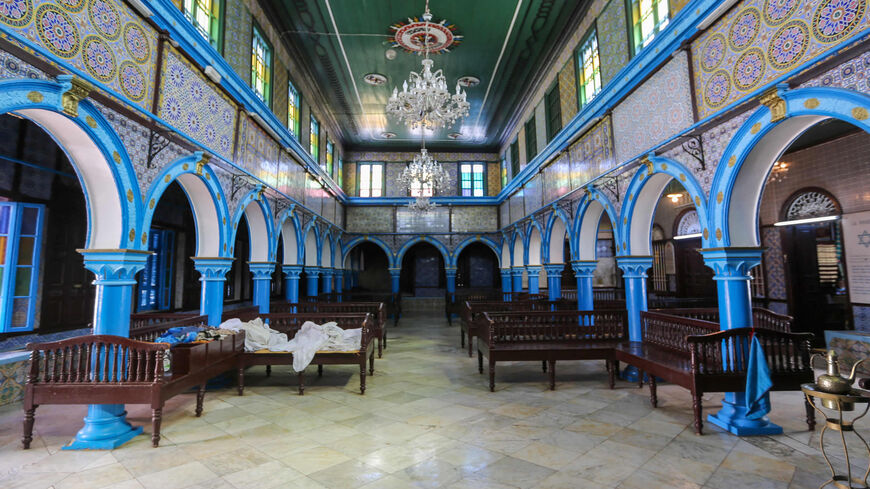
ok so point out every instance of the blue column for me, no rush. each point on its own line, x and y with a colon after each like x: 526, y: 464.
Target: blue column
x: 554, y: 280
x: 534, y: 274
x: 106, y: 425
x: 311, y: 274
x: 395, y: 274
x: 584, y: 271
x: 506, y: 283
x: 326, y: 281
x: 339, y: 280
x: 262, y: 272
x: 451, y: 281
x: 291, y: 282
x: 731, y: 272
x: 517, y: 283
x: 213, y: 275
x: 634, y: 273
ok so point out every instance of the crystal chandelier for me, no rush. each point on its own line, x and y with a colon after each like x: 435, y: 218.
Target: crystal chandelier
x: 426, y: 173
x: 424, y: 101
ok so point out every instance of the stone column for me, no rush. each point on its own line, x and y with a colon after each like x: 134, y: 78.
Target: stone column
x: 311, y: 274
x: 213, y: 275
x: 554, y: 280
x: 291, y: 282
x: 534, y: 272
x: 506, y: 283
x: 262, y: 272
x: 339, y: 280
x: 395, y: 275
x: 731, y: 272
x: 584, y: 271
x: 106, y: 425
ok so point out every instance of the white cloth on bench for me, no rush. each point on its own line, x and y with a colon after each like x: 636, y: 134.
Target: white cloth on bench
x: 310, y: 339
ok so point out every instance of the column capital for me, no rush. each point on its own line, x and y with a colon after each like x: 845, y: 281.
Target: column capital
x: 262, y: 270
x: 505, y: 272
x: 292, y: 271
x: 450, y: 271
x: 517, y: 271
x: 115, y: 267
x: 313, y: 271
x: 731, y: 263
x: 634, y: 266
x: 533, y: 269
x: 395, y: 272
x: 554, y: 268
x: 584, y: 268
x: 212, y: 268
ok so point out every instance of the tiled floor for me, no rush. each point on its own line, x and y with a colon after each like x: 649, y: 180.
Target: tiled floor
x: 427, y: 420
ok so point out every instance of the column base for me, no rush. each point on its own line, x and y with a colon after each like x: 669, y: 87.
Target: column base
x: 629, y: 374
x: 732, y: 418
x: 106, y: 428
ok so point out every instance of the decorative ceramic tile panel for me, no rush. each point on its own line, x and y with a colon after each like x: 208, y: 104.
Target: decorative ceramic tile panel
x: 557, y: 179
x: 493, y: 179
x: 655, y: 111
x: 612, y: 39
x: 760, y: 40
x: 592, y: 154
x: 568, y: 92
x: 391, y: 176
x: 296, y: 182
x: 194, y: 106
x: 852, y: 74
x: 533, y: 193
x: 369, y: 220
x: 474, y: 219
x: 504, y: 215
x: 716, y: 140
x: 451, y: 184
x: 518, y: 210
x: 404, y: 157
x: 862, y: 319
x: 279, y: 91
x: 313, y: 194
x: 238, y: 26
x: 12, y: 378
x: 774, y: 263
x: 259, y: 152
x: 12, y: 67
x: 101, y: 37
x: 339, y: 215
x: 350, y: 178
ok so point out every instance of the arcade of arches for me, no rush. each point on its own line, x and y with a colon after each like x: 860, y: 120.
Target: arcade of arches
x: 696, y: 164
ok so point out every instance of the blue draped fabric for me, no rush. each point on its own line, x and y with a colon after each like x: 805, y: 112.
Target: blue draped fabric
x: 758, y: 382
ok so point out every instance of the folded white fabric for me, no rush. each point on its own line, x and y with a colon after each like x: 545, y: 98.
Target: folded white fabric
x: 310, y: 339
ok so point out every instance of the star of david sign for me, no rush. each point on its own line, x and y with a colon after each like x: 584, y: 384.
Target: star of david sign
x: 864, y: 239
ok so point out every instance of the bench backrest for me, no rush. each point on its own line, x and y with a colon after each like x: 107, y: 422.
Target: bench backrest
x: 608, y: 294
x: 761, y: 318
x: 377, y: 309
x: 96, y: 359
x: 669, y: 331
x: 727, y: 352
x: 291, y: 323
x: 547, y: 326
x: 149, y: 331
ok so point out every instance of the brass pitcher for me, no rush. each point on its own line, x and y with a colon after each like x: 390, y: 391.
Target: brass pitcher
x: 832, y: 382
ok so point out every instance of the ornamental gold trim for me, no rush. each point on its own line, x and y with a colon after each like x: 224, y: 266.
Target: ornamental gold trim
x: 35, y: 97
x: 860, y: 113
x: 775, y: 103
x: 811, y: 103
x: 78, y: 91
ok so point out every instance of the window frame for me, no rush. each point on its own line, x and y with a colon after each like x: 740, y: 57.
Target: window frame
x: 504, y: 173
x: 216, y: 22
x: 359, y: 179
x: 553, y: 111
x: 10, y: 266
x: 340, y: 173
x: 330, y: 158
x: 579, y: 64
x: 294, y: 123
x: 635, y: 27
x: 471, y: 180
x: 531, y: 153
x: 258, y: 34
x: 515, y: 157
x: 314, y: 138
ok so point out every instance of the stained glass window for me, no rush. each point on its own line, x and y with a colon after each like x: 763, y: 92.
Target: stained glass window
x: 371, y: 179
x: 293, y: 109
x: 205, y: 15
x: 314, y: 139
x: 261, y: 66
x: 329, y: 155
x: 471, y: 179
x: 589, y: 68
x: 648, y: 17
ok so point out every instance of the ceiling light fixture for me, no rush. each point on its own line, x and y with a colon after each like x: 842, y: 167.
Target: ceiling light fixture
x: 424, y: 100
x: 388, y: 135
x: 375, y: 79
x: 425, y: 175
x: 674, y: 197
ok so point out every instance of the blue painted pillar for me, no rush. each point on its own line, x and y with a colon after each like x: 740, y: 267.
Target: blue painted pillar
x: 311, y: 274
x: 291, y: 282
x: 213, y: 275
x: 534, y: 274
x: 634, y: 273
x: 326, y: 282
x: 339, y: 280
x: 554, y: 280
x: 451, y: 281
x: 584, y: 271
x: 517, y: 282
x: 395, y: 274
x: 506, y: 283
x: 262, y: 272
x: 731, y: 272
x: 106, y: 425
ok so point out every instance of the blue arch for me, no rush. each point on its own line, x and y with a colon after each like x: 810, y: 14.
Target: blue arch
x: 558, y: 213
x: 285, y: 215
x: 372, y: 239
x: 593, y: 195
x: 527, y: 239
x: 422, y: 239
x: 636, y: 199
x: 477, y: 239
x: 733, y: 219
x: 517, y: 233
x: 318, y: 241
x: 255, y: 195
x: 120, y: 211
x: 330, y: 239
x: 205, y: 245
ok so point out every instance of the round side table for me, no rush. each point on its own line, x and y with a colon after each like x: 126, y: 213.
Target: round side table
x: 840, y: 403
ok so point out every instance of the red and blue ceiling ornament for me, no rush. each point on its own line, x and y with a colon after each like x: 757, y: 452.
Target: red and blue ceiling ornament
x: 411, y: 36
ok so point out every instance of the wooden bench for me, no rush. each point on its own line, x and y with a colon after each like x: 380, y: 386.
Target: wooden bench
x: 761, y: 318
x: 550, y: 336
x: 377, y: 309
x: 105, y: 369
x: 689, y: 353
x: 472, y: 309
x: 393, y: 302
x: 150, y: 329
x: 455, y: 304
x: 290, y: 324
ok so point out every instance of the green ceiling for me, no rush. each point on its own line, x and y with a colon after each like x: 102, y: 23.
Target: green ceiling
x: 364, y: 26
